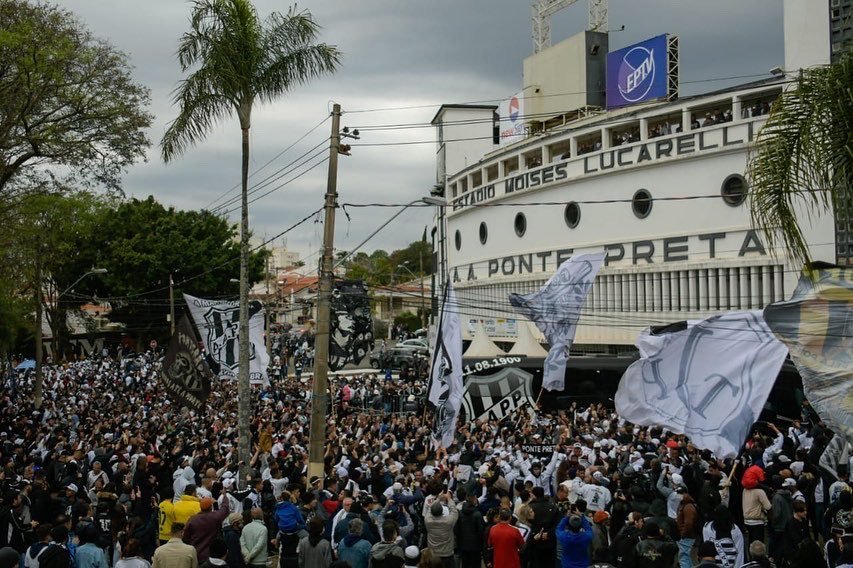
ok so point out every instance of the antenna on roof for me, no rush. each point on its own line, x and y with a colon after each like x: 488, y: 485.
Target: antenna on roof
x: 542, y: 11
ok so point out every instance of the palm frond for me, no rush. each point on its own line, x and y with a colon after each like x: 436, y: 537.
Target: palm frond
x: 295, y: 68
x: 802, y: 161
x: 202, y: 105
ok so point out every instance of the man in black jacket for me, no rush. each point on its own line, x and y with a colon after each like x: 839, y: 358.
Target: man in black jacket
x: 655, y: 550
x: 470, y: 534
x: 543, y: 542
x: 627, y: 538
x: 796, y: 531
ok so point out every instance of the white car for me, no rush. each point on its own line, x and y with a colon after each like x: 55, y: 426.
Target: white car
x: 414, y: 344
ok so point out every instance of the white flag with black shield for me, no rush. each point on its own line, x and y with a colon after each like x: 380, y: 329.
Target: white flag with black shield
x: 218, y: 323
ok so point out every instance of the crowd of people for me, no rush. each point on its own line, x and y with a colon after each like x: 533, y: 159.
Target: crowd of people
x: 108, y: 472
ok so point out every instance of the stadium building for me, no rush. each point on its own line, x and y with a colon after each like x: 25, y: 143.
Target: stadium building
x: 597, y: 152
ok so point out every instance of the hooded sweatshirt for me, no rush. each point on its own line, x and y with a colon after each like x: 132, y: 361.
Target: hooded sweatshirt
x: 386, y: 555
x: 354, y: 550
x: 182, y: 477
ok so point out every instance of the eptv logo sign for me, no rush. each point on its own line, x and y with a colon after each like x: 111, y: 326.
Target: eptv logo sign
x: 636, y: 74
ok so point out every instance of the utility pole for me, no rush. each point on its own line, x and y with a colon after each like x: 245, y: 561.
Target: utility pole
x: 172, y: 303
x: 268, y: 311
x: 317, y: 434
x: 37, y: 391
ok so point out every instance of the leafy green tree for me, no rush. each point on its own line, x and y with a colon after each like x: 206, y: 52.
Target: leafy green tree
x: 804, y: 154
x: 71, y: 114
x: 52, y: 234
x: 141, y: 243
x: 236, y: 59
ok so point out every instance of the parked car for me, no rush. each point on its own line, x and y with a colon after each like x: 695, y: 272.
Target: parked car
x: 397, y: 357
x: 415, y: 344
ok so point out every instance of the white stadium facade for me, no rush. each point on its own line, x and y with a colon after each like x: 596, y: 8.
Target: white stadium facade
x: 658, y: 185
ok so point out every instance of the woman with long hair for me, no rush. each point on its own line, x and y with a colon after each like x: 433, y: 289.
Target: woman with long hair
x: 130, y: 556
x: 314, y: 551
x: 726, y: 536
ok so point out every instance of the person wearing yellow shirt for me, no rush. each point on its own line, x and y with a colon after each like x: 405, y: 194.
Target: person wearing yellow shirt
x: 166, y: 515
x: 187, y: 506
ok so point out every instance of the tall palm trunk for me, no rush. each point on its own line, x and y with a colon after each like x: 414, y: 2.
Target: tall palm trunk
x: 244, y: 398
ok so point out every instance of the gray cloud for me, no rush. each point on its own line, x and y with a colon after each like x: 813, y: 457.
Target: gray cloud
x: 396, y: 53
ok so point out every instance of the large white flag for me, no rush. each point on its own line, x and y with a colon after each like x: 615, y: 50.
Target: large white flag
x: 555, y: 310
x: 707, y: 379
x: 218, y: 323
x: 446, y: 372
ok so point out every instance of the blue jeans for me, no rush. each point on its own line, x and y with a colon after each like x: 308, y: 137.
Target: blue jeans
x: 685, y: 545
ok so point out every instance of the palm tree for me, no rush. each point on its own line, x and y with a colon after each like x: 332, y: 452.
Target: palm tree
x: 804, y: 155
x: 236, y: 59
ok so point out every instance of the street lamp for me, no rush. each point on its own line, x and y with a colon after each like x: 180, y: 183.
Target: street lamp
x: 93, y: 271
x: 37, y: 390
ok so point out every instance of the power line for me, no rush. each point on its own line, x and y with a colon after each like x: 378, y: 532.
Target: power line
x: 485, y: 101
x: 283, y: 184
x: 274, y: 158
x: 278, y: 174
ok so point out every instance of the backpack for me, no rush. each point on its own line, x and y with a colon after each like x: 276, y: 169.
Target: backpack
x: 55, y: 556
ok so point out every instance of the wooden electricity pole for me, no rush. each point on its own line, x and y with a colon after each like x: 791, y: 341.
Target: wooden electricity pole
x: 320, y: 391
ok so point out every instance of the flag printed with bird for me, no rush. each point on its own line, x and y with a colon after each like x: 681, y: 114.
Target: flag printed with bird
x: 707, y: 379
x: 816, y: 324
x: 556, y: 308
x: 446, y: 371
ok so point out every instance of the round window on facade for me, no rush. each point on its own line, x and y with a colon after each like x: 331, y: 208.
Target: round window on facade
x: 572, y: 215
x: 458, y: 240
x: 734, y: 190
x: 642, y: 203
x: 484, y: 233
x: 520, y: 224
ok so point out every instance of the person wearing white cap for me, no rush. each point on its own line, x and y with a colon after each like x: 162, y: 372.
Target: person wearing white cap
x: 413, y: 556
x: 673, y: 498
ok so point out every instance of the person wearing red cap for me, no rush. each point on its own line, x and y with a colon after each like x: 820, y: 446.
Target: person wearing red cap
x: 205, y: 526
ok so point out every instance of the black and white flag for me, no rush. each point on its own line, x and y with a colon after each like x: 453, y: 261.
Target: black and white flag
x: 446, y: 372
x: 837, y: 453
x: 497, y: 396
x: 185, y: 373
x: 218, y: 323
x: 707, y: 379
x: 556, y: 308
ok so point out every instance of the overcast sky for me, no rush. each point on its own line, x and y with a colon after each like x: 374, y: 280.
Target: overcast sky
x: 396, y: 53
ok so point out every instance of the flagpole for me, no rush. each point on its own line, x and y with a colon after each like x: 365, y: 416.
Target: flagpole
x: 435, y: 347
x: 535, y: 405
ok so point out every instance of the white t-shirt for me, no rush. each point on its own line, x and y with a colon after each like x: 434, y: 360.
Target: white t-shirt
x: 597, y: 497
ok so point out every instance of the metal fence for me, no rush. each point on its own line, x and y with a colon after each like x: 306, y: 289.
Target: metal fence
x: 387, y: 404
